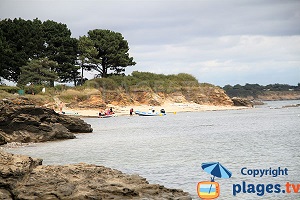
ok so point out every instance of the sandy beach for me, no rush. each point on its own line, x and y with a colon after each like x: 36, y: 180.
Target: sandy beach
x: 170, y: 107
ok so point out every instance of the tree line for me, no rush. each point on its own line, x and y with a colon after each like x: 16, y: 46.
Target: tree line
x: 255, y: 89
x: 36, y: 52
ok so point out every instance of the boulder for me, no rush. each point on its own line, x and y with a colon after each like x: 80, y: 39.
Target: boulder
x: 25, y: 178
x: 29, y: 123
x: 241, y: 102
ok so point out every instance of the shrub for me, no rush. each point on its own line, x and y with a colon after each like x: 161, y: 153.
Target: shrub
x: 73, y: 95
x: 40, y: 99
x: 33, y: 89
x: 4, y: 94
x: 145, y: 81
x: 61, y: 87
x: 9, y: 89
x: 104, y: 83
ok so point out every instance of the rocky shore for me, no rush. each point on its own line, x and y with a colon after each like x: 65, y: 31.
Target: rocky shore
x: 23, y: 177
x: 22, y: 121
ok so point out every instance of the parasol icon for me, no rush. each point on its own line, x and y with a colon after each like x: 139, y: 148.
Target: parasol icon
x: 216, y: 170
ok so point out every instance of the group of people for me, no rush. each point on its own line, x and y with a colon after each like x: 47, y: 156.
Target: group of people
x: 106, y: 112
x: 111, y: 112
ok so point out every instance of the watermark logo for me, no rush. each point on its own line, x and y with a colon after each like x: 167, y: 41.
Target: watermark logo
x: 263, y: 189
x: 211, y: 189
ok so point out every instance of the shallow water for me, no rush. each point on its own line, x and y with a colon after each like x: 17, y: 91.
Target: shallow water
x: 169, y: 150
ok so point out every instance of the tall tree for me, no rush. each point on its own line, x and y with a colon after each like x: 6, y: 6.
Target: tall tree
x: 20, y: 40
x: 86, y: 52
x: 67, y: 69
x: 38, y: 72
x: 112, y: 52
x: 2, y: 49
x: 24, y: 40
x: 60, y: 47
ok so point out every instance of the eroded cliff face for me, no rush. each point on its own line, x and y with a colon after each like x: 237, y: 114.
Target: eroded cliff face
x: 200, y: 95
x: 22, y: 177
x: 21, y: 121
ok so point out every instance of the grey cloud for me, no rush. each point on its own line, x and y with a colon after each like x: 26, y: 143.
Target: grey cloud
x: 218, y: 41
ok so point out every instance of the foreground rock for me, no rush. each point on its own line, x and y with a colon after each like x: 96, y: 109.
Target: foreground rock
x: 22, y: 177
x: 21, y: 121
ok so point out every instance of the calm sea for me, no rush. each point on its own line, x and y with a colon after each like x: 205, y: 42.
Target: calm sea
x: 169, y: 150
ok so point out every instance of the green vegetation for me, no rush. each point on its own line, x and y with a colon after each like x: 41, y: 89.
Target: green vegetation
x: 73, y: 95
x: 24, y: 41
x: 5, y: 95
x: 9, y: 89
x: 38, y: 72
x: 142, y: 87
x: 137, y: 81
x: 39, y: 98
x: 33, y: 89
x: 109, y: 52
x: 145, y: 81
x: 253, y: 90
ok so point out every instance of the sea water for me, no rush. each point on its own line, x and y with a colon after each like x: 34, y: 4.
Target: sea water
x: 169, y: 150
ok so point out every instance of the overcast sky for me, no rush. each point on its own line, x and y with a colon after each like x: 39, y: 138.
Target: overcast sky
x: 218, y: 41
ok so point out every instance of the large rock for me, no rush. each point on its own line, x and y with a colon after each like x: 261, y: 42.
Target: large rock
x: 22, y: 177
x: 13, y: 168
x: 241, y: 102
x: 29, y: 123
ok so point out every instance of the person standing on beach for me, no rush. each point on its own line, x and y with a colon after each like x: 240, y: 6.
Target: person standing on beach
x: 61, y: 105
x: 131, y: 111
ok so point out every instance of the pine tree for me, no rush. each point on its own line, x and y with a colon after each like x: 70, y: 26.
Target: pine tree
x: 38, y: 72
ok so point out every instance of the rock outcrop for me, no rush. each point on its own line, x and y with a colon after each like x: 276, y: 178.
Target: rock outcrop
x: 23, y: 177
x: 21, y: 121
x: 241, y: 102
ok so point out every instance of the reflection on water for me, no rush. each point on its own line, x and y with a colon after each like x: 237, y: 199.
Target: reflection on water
x: 169, y: 150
